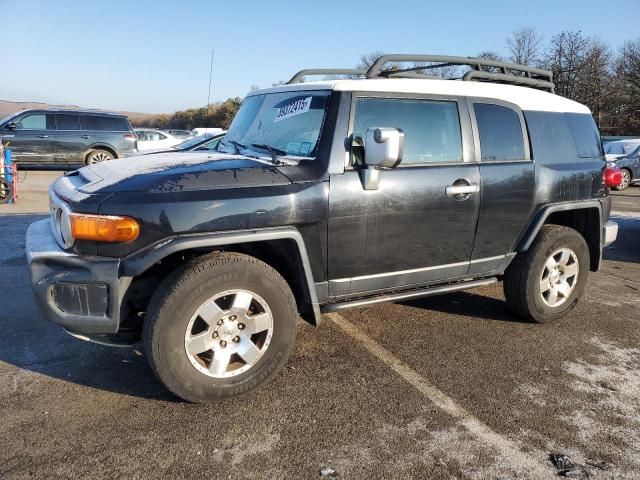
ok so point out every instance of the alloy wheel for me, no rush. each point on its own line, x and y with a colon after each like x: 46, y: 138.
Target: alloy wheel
x: 559, y: 277
x: 229, y: 333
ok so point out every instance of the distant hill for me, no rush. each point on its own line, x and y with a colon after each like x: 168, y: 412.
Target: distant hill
x: 7, y: 108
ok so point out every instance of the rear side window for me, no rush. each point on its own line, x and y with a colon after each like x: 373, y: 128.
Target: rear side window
x: 585, y: 135
x: 66, y: 121
x: 431, y: 128
x: 500, y: 132
x: 104, y: 123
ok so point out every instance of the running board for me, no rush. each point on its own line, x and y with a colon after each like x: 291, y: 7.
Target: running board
x: 394, y: 297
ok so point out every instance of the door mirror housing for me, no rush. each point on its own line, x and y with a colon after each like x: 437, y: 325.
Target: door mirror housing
x: 383, y: 149
x: 11, y: 126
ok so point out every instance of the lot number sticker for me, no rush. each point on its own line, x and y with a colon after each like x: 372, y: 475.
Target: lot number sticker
x: 292, y: 109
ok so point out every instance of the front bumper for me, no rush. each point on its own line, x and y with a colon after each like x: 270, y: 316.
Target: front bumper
x: 82, y: 294
x: 609, y: 233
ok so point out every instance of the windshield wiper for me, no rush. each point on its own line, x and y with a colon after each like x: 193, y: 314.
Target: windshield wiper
x: 274, y: 151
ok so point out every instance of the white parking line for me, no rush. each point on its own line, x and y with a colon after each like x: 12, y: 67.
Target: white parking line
x: 476, y: 427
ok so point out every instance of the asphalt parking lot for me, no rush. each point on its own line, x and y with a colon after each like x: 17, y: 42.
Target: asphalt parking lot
x: 453, y: 386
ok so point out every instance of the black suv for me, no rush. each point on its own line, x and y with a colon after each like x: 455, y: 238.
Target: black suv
x: 67, y: 136
x: 324, y: 196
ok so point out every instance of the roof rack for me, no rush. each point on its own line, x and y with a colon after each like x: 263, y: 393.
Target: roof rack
x: 299, y: 77
x: 482, y: 70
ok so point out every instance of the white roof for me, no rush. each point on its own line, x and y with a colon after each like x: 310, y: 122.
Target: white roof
x: 524, y: 97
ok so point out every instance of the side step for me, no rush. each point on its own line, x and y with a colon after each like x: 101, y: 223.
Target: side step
x: 394, y: 297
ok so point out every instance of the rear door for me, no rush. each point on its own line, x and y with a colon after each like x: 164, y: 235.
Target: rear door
x: 69, y: 141
x: 30, y: 142
x: 508, y: 181
x: 410, y: 230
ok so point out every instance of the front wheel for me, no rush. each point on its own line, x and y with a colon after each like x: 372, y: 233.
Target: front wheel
x: 545, y: 283
x: 220, y: 327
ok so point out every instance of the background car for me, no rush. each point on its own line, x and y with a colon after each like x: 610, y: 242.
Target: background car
x: 625, y: 155
x: 65, y: 136
x: 205, y: 142
x: 150, y: 139
x: 178, y: 133
x: 201, y: 130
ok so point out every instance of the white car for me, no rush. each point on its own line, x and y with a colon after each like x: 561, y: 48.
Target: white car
x: 150, y: 139
x: 202, y: 130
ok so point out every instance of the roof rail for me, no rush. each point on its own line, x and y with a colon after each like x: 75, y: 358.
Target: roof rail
x: 481, y: 70
x: 299, y: 77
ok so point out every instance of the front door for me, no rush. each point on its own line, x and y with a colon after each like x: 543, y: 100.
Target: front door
x: 412, y: 230
x: 30, y: 142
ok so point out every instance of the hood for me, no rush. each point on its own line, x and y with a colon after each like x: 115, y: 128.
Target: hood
x: 179, y: 171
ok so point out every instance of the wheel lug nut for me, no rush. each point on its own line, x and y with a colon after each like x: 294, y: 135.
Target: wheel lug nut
x: 215, y: 334
x: 236, y: 339
x: 220, y: 322
x: 241, y: 326
x: 232, y: 318
x: 223, y: 343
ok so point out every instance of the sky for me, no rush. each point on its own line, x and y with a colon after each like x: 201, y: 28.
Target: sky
x: 154, y: 56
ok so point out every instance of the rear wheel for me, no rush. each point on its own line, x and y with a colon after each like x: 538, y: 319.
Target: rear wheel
x: 220, y: 327
x: 545, y: 283
x: 626, y: 180
x: 98, y: 156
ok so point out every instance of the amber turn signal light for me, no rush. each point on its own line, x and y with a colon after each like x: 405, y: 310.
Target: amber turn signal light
x: 104, y: 228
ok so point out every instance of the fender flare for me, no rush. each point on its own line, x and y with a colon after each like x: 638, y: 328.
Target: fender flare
x: 532, y: 232
x: 139, y: 262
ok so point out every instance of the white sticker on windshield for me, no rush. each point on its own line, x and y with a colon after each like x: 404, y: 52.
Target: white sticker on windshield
x: 292, y: 109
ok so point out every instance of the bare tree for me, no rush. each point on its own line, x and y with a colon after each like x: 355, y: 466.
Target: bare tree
x: 368, y: 59
x: 565, y: 57
x: 524, y: 46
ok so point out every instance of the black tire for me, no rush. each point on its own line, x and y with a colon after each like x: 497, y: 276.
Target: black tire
x: 626, y: 180
x: 98, y: 156
x: 6, y: 191
x: 522, y: 278
x: 180, y: 295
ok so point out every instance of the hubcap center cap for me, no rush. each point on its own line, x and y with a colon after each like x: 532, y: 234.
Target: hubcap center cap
x: 554, y: 277
x: 228, y: 330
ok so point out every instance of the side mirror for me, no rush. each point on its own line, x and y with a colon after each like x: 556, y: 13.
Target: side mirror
x: 10, y: 126
x: 383, y: 149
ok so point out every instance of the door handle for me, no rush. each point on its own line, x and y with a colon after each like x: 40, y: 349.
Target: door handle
x: 85, y: 136
x: 453, y: 190
x: 43, y: 136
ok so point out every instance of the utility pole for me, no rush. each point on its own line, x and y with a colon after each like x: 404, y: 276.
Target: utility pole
x: 210, y: 77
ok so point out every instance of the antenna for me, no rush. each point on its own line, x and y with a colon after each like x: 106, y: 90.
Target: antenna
x: 210, y: 77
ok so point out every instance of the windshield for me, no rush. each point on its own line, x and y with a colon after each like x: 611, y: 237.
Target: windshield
x: 288, y: 123
x: 193, y: 141
x: 621, y: 148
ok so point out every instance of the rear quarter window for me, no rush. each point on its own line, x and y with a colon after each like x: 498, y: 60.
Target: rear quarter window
x: 104, y: 123
x: 585, y: 135
x: 500, y: 132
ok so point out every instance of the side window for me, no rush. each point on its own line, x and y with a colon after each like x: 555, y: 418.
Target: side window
x: 142, y: 135
x: 585, y: 135
x: 500, y: 132
x: 67, y: 121
x: 36, y: 121
x: 431, y: 127
x: 104, y: 123
x: 161, y: 136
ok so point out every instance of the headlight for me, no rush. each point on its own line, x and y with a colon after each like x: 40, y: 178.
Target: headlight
x: 60, y: 220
